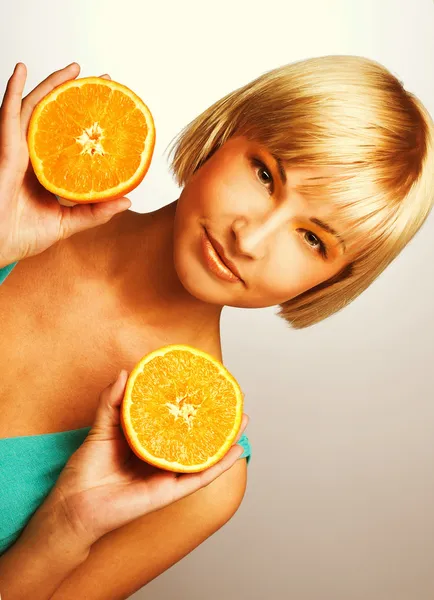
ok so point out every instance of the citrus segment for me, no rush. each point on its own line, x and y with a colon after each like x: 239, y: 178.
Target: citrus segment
x: 182, y: 409
x: 91, y: 140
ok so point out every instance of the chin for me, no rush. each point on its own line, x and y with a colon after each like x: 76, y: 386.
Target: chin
x: 206, y: 289
x: 198, y: 286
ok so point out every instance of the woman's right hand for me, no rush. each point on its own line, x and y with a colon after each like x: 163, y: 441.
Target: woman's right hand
x: 31, y: 218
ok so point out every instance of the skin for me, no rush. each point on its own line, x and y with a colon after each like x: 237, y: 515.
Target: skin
x: 263, y: 226
x: 168, y: 286
x: 98, y: 301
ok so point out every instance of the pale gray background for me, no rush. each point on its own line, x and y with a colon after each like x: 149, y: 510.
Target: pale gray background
x: 340, y: 498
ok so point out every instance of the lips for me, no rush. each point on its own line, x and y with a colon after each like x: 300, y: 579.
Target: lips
x: 220, y: 264
x: 220, y: 251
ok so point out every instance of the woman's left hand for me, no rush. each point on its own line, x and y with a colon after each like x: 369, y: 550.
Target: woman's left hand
x: 104, y: 485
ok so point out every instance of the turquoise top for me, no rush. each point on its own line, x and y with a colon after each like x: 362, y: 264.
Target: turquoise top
x: 30, y: 466
x: 4, y: 271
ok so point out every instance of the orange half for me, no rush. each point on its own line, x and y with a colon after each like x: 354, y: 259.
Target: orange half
x: 182, y: 409
x: 91, y: 140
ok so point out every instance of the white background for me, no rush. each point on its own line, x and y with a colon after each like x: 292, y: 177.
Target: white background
x: 340, y: 497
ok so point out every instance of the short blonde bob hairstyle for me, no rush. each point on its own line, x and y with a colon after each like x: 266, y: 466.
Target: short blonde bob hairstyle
x: 348, y: 113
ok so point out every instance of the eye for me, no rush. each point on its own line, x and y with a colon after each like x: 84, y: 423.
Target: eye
x: 263, y: 173
x: 314, y: 242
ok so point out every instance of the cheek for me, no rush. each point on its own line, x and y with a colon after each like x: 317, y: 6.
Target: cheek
x: 228, y: 189
x: 291, y: 272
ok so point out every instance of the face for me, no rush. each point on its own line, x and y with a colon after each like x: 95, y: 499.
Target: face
x: 244, y: 237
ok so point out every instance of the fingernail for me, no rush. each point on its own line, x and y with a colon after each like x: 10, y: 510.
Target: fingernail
x: 73, y: 63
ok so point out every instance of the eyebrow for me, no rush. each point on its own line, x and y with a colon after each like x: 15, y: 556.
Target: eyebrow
x: 328, y: 229
x: 318, y: 222
x: 280, y: 169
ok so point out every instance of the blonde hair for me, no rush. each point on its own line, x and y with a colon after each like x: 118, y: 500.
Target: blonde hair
x: 350, y: 114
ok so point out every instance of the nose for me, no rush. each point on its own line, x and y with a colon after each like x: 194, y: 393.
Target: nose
x: 253, y: 236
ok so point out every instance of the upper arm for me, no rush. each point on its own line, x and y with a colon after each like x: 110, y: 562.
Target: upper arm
x: 124, y: 560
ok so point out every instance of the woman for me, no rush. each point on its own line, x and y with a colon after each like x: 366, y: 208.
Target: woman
x: 298, y: 190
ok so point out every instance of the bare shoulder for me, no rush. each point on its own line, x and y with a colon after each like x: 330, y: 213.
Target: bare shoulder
x: 125, y: 560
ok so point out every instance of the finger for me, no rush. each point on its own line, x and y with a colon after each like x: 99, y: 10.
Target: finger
x: 85, y: 216
x: 106, y: 76
x: 244, y: 423
x: 10, y: 112
x: 190, y: 483
x: 44, y: 88
x: 107, y: 414
x: 112, y: 395
x: 117, y: 389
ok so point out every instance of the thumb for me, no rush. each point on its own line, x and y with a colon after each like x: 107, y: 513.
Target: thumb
x: 84, y: 216
x: 108, y: 413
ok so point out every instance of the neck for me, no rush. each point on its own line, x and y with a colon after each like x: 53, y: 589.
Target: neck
x: 133, y: 254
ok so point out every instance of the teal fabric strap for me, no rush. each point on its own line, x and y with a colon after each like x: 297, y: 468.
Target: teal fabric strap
x: 4, y: 271
x: 245, y: 443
